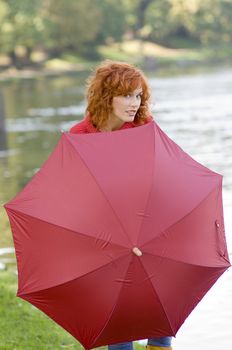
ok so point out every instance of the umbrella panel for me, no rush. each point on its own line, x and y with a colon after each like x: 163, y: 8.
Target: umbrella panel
x: 118, y: 296
x: 168, y: 212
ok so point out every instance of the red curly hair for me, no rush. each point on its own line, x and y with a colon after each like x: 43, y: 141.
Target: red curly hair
x: 110, y: 79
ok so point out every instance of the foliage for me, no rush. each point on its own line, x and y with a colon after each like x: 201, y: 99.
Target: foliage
x: 159, y: 21
x: 113, y: 21
x: 69, y: 25
x: 20, y: 24
x: 59, y: 26
x: 214, y: 26
x: 172, y: 21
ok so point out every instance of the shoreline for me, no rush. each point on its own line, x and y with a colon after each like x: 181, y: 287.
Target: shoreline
x: 161, y: 61
x: 14, y: 74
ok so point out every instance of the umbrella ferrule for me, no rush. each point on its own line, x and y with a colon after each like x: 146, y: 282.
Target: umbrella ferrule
x: 137, y: 251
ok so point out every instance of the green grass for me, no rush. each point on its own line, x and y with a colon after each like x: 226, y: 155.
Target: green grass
x: 115, y: 53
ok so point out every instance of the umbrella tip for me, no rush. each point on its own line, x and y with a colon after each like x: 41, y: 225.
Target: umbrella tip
x: 137, y: 251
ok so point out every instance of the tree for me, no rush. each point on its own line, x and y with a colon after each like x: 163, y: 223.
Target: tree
x: 113, y: 22
x: 155, y: 19
x: 70, y: 25
x: 148, y: 19
x: 214, y: 26
x: 20, y: 26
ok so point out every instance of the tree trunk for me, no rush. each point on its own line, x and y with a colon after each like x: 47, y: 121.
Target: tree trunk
x: 141, y: 12
x: 14, y: 60
x: 28, y: 61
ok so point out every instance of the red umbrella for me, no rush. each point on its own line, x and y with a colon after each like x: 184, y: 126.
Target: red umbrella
x: 119, y: 235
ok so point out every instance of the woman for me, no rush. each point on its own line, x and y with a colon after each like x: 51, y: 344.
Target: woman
x: 118, y: 98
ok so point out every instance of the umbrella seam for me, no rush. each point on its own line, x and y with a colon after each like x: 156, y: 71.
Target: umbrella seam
x: 90, y: 172
x: 180, y: 149
x: 148, y: 197
x: 188, y: 263
x: 183, y: 217
x: 76, y: 278
x: 157, y: 296
x: 113, y: 308
x: 62, y: 227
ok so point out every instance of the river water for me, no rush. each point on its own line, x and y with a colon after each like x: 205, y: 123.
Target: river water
x: 195, y: 110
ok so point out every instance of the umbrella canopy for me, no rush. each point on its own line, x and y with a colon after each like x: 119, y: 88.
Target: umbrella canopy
x: 119, y: 235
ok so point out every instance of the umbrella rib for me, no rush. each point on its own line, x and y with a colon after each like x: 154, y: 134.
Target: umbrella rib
x: 73, y: 279
x: 62, y: 227
x: 113, y: 308
x: 188, y: 263
x: 156, y: 294
x: 90, y: 172
x: 153, y: 166
x: 183, y: 217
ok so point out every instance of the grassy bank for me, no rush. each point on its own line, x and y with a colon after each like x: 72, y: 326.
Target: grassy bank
x: 150, y: 56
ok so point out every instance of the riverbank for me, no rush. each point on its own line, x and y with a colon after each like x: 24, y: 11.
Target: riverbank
x: 149, y: 56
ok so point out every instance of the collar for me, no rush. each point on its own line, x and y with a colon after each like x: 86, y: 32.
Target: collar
x: 91, y: 128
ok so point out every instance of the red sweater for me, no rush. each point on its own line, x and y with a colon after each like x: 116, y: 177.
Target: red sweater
x: 85, y: 126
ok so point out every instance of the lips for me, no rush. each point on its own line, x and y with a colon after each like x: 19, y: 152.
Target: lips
x: 133, y: 111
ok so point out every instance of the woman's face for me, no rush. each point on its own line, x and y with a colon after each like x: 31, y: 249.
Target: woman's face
x: 126, y: 107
